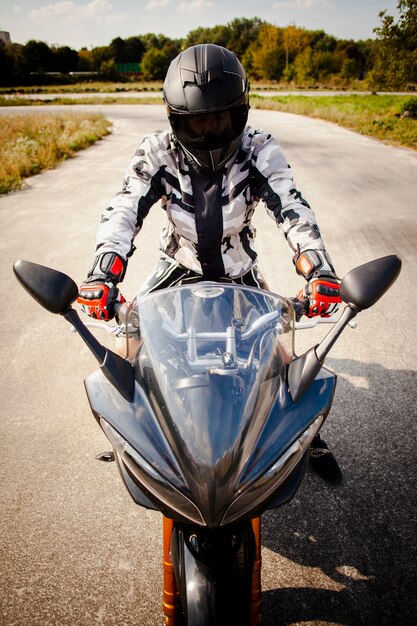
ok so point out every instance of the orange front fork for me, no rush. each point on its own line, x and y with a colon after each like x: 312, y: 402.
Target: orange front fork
x: 256, y: 616
x: 171, y: 596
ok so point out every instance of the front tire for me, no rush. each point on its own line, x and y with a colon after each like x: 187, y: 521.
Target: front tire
x: 214, y: 572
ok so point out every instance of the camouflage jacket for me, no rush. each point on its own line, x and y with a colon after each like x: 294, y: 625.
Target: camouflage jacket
x: 208, y: 227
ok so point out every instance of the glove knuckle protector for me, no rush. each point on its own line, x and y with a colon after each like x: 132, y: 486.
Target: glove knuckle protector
x: 98, y: 293
x: 323, y: 286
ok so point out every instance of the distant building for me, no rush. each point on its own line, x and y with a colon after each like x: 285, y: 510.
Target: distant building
x: 128, y: 69
x: 5, y: 37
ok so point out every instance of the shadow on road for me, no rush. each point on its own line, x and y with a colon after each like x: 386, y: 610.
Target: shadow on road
x: 353, y: 546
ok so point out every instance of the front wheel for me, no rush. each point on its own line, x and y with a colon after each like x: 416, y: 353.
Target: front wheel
x: 217, y: 573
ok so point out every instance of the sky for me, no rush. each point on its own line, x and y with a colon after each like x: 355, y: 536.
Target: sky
x: 90, y: 23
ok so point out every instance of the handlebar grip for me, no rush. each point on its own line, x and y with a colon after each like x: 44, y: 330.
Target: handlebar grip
x: 120, y: 310
x: 301, y: 307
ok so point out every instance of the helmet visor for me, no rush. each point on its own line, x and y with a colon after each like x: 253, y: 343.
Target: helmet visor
x: 209, y: 131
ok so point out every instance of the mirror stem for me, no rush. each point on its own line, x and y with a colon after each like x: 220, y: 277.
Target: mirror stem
x: 117, y: 370
x: 95, y: 346
x: 327, y: 343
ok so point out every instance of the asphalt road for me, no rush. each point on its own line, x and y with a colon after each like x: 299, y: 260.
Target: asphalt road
x: 75, y: 550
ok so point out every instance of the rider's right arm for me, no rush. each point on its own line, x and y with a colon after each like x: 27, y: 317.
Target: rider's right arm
x: 143, y: 186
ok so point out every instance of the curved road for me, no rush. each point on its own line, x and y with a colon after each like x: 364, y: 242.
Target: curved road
x: 74, y: 549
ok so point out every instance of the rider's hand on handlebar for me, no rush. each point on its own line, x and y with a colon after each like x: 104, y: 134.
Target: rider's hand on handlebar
x: 323, y: 296
x: 98, y: 299
x: 98, y: 295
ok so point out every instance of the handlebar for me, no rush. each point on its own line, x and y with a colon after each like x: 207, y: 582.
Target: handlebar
x: 121, y: 310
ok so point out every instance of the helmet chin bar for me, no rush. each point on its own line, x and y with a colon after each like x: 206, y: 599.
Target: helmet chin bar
x: 213, y: 160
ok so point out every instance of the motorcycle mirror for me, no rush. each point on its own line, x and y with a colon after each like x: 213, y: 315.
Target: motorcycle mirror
x: 360, y: 289
x: 364, y: 285
x: 56, y: 292
x: 53, y: 290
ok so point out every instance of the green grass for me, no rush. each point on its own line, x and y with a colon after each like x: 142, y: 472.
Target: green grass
x: 86, y: 87
x: 19, y: 101
x: 33, y: 143
x: 378, y: 116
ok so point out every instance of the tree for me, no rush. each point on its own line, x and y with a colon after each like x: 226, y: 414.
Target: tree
x: 355, y: 58
x: 85, y: 60
x: 155, y: 64
x: 294, y: 40
x: 108, y: 70
x: 118, y: 50
x: 37, y: 57
x: 267, y: 54
x: 396, y: 50
x: 65, y: 59
x: 241, y: 33
x: 305, y: 69
x: 7, y: 64
x: 320, y: 41
x: 237, y: 35
x: 150, y: 40
x: 216, y: 34
x: 134, y: 50
x: 99, y: 55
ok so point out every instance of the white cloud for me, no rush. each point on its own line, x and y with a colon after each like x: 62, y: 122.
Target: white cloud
x: 98, y: 11
x: 60, y: 8
x: 114, y: 18
x: 195, y: 6
x: 299, y: 4
x: 156, y: 4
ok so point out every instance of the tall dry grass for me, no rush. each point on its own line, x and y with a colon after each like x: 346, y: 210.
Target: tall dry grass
x: 32, y: 143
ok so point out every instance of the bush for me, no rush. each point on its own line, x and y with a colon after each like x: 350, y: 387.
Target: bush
x: 409, y: 105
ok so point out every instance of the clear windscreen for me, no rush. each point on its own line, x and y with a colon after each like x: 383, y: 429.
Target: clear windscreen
x: 209, y: 352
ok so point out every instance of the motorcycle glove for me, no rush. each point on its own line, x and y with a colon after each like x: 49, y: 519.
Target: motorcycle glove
x: 323, y: 297
x: 323, y: 287
x: 98, y: 294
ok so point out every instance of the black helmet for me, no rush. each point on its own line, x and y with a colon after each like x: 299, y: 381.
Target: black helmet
x: 207, y: 96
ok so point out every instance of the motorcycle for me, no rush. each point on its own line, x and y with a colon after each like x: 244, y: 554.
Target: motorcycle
x: 211, y: 416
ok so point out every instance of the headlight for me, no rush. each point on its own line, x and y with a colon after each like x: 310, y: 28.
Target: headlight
x: 253, y: 497
x: 171, y: 499
x: 174, y: 503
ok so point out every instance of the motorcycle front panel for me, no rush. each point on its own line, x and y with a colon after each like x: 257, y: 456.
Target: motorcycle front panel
x: 212, y: 413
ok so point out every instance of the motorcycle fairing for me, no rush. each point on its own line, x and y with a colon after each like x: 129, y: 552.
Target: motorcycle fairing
x: 212, y: 413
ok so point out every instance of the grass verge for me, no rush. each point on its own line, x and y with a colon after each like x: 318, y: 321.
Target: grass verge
x: 374, y: 115
x: 90, y: 87
x: 379, y: 116
x: 90, y: 99
x: 33, y: 143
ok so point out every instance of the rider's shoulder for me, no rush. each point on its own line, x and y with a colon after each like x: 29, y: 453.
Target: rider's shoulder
x: 159, y: 139
x: 257, y: 138
x: 157, y: 145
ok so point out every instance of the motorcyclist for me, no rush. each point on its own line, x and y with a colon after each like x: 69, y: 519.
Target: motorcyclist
x: 210, y: 170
